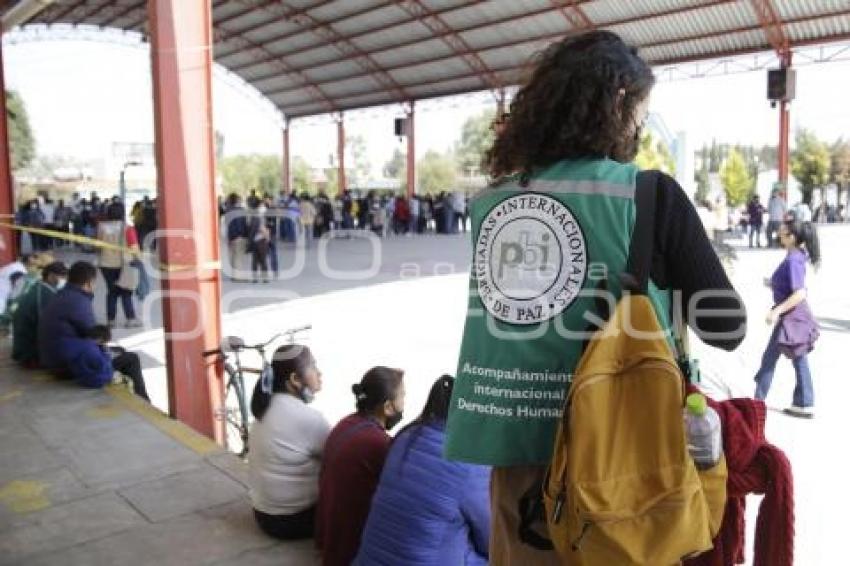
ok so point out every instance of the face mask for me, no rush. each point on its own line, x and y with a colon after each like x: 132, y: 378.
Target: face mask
x: 61, y: 283
x: 307, y: 395
x: 262, y: 210
x: 394, y: 420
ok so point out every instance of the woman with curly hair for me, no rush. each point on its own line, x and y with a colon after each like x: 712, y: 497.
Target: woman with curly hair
x: 557, y: 220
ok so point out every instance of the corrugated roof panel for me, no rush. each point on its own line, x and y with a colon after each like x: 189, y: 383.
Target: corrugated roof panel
x: 697, y: 23
x: 389, y: 14
x: 794, y: 9
x: 604, y: 11
x: 432, y: 71
x: 838, y: 27
x: 493, y: 10
x: 333, y: 10
x: 527, y: 28
x: 503, y: 57
x: 705, y: 48
x: 394, y: 35
x: 334, y: 71
x: 407, y: 55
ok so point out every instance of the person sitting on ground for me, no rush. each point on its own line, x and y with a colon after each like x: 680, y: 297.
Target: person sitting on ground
x: 286, y: 443
x: 70, y: 345
x: 428, y: 510
x: 351, y: 466
x: 30, y: 306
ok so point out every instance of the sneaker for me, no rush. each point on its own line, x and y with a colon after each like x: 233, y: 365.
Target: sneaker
x: 800, y: 412
x: 133, y: 323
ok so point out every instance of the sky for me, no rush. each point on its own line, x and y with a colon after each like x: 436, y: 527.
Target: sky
x: 83, y: 95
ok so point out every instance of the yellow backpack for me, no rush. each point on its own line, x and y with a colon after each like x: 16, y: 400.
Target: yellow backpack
x: 622, y: 488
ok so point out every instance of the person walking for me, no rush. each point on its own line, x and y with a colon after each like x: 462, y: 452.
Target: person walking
x: 795, y: 330
x: 117, y: 234
x: 755, y: 216
x: 236, y: 229
x: 776, y: 209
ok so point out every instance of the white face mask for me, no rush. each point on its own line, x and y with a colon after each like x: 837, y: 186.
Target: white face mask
x: 61, y: 283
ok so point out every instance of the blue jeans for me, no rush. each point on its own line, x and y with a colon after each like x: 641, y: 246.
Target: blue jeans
x: 804, y: 393
x: 114, y: 292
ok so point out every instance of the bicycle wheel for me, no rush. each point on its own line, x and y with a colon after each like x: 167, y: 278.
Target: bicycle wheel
x: 235, y: 413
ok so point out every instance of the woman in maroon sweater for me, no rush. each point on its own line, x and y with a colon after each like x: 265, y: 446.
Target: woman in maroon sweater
x: 351, y: 466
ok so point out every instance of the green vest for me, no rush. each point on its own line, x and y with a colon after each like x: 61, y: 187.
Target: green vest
x: 539, y: 254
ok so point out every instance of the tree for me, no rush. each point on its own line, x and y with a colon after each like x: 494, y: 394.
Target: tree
x: 703, y: 184
x: 654, y: 154
x: 21, y: 140
x: 436, y: 172
x: 810, y: 163
x: 396, y: 167
x: 302, y: 176
x: 357, y: 149
x: 736, y: 179
x: 332, y: 181
x: 476, y: 137
x: 245, y: 173
x: 839, y: 171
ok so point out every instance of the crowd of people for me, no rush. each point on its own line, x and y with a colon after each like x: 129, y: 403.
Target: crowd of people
x: 253, y: 226
x: 53, y: 327
x: 366, y: 497
x: 463, y: 483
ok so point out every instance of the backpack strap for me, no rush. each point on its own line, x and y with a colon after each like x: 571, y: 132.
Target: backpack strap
x: 639, y: 264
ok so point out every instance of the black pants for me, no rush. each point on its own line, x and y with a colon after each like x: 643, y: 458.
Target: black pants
x: 288, y: 527
x: 114, y: 292
x: 127, y: 363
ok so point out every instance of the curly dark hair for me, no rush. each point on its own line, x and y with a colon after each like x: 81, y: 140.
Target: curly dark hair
x: 579, y: 102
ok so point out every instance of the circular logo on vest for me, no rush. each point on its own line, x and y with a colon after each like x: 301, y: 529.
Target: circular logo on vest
x: 530, y: 259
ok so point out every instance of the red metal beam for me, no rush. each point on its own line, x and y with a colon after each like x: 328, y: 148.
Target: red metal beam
x: 573, y: 13
x: 8, y: 242
x: 287, y: 176
x: 181, y: 52
x: 513, y: 73
x: 342, y: 185
x: 298, y: 12
x: 772, y: 24
x: 556, y: 36
x: 341, y: 43
x: 454, y: 40
x: 547, y: 37
x: 372, y: 31
x: 283, y: 66
x: 411, y: 150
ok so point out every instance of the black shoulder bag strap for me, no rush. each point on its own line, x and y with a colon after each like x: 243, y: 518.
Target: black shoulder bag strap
x: 639, y: 265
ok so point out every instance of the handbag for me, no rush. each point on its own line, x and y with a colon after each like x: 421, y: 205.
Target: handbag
x: 129, y: 277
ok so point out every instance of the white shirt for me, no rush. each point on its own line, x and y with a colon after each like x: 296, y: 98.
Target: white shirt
x: 285, y: 456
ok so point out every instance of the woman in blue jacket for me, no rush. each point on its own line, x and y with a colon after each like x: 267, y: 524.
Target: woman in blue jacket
x: 428, y: 510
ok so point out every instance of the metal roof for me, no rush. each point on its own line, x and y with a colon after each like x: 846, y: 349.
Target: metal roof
x: 313, y: 57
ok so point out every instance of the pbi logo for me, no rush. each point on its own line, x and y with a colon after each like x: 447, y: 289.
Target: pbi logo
x: 530, y: 253
x: 530, y: 258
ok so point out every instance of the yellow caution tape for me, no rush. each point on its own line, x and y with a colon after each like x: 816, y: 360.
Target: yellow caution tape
x: 95, y: 243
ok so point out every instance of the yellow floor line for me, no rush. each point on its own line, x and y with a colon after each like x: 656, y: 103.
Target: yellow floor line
x: 175, y: 429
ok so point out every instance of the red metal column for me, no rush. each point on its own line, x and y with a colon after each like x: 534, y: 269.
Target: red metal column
x: 411, y: 150
x: 181, y: 49
x: 8, y: 246
x: 287, y: 176
x: 340, y: 150
x: 784, y: 132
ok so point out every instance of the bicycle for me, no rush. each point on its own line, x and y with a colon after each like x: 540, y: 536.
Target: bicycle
x: 234, y: 411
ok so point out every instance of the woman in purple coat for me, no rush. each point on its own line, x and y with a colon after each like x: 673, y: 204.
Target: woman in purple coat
x: 427, y: 510
x: 796, y: 330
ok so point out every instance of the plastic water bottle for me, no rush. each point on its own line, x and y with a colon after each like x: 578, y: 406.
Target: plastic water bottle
x: 705, y: 438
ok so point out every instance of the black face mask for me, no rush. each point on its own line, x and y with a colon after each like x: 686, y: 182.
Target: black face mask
x: 394, y: 420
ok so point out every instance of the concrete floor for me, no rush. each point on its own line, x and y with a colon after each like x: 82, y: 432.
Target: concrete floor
x: 96, y: 477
